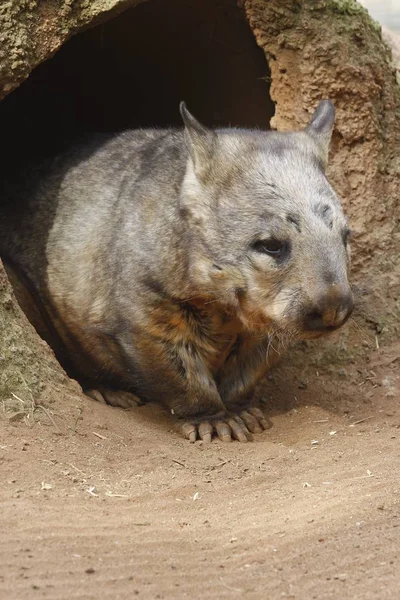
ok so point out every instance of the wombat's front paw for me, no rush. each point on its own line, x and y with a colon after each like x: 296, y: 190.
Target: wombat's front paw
x: 226, y: 429
x: 118, y: 398
x: 255, y: 420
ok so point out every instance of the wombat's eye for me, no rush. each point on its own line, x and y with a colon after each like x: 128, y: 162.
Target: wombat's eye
x: 271, y: 246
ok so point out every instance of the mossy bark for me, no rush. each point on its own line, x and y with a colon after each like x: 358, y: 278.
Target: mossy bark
x: 29, y: 372
x: 31, y: 31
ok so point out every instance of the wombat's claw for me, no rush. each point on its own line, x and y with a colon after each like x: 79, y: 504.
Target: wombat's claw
x: 118, y: 398
x: 255, y: 420
x: 95, y: 395
x: 225, y: 430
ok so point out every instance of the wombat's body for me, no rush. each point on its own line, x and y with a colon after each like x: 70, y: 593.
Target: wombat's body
x: 163, y: 263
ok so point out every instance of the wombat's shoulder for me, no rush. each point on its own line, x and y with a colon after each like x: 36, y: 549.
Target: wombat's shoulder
x: 104, y: 152
x: 126, y: 150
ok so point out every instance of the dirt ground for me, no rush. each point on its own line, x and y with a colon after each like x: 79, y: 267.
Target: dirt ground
x: 97, y: 502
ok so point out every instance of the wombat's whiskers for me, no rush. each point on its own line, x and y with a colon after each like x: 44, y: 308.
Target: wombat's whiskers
x: 364, y: 333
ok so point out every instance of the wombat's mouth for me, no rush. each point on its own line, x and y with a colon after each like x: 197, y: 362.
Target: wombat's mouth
x: 312, y: 334
x: 326, y: 322
x: 298, y: 329
x: 290, y: 332
x: 300, y: 318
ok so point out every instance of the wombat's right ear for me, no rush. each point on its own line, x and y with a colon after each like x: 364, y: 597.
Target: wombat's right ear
x: 200, y: 142
x: 321, y: 127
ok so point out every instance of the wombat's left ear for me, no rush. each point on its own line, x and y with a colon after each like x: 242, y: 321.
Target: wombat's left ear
x: 321, y: 127
x: 200, y: 141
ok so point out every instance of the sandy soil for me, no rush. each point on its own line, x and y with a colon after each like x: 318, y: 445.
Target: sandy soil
x: 97, y: 502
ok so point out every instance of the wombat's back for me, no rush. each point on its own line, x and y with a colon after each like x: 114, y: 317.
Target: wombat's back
x: 61, y: 229
x: 78, y: 193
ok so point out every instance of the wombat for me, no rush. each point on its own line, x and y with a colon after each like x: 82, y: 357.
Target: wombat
x: 170, y: 265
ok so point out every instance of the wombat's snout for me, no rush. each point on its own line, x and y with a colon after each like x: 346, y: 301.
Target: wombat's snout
x: 331, y: 311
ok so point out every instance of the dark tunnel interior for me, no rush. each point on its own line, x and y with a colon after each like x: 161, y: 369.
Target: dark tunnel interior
x: 133, y: 70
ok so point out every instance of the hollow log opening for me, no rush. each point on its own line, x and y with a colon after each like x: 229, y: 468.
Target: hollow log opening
x: 133, y: 71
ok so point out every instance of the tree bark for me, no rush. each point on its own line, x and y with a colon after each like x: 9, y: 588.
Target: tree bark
x: 29, y: 373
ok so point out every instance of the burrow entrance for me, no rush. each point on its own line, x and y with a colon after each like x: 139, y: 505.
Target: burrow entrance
x: 133, y: 71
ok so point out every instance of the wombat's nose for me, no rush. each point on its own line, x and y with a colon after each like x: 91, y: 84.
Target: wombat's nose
x: 331, y: 312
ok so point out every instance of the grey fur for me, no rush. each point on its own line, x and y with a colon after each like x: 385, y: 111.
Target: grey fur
x: 145, y: 252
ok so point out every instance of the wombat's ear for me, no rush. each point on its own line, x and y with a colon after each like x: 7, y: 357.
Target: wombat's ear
x: 200, y: 141
x: 321, y: 127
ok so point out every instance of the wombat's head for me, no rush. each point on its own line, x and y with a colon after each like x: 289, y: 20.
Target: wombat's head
x: 266, y: 233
